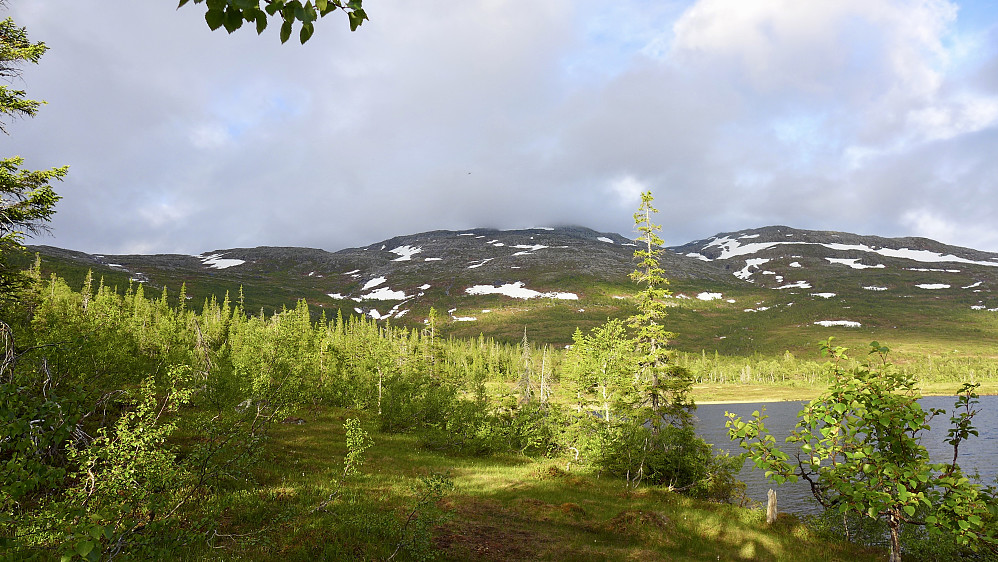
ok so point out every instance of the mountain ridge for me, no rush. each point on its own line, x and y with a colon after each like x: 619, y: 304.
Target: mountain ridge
x: 495, y: 281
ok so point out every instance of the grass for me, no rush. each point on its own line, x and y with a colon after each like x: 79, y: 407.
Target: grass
x: 501, y: 508
x: 735, y: 392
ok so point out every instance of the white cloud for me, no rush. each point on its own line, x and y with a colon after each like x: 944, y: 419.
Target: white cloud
x: 830, y: 114
x: 627, y: 190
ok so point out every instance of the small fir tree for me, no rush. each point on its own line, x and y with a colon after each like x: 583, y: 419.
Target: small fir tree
x: 526, y: 392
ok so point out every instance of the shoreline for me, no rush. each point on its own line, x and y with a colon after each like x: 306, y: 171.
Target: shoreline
x: 756, y: 394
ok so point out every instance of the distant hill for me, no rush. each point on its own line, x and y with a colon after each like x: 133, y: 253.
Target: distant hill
x: 762, y: 289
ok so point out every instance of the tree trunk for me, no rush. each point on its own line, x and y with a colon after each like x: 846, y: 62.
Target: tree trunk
x: 771, y: 507
x: 895, y: 524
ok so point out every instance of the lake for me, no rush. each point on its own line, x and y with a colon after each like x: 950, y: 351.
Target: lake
x: 977, y: 453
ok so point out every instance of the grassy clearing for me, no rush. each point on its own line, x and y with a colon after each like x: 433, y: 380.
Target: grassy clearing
x: 507, y: 508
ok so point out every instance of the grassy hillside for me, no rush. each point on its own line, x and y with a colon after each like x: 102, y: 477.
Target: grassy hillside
x: 769, y: 295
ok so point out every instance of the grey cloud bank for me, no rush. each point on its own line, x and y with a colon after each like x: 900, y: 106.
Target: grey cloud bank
x: 876, y: 117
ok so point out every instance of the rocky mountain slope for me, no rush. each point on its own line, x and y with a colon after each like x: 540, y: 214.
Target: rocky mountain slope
x: 766, y: 287
x: 782, y: 258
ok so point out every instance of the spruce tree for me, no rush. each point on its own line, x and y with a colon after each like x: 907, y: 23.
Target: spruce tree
x: 664, y: 390
x: 27, y: 200
x: 526, y: 392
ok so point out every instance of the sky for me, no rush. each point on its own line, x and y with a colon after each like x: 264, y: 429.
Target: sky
x: 867, y: 116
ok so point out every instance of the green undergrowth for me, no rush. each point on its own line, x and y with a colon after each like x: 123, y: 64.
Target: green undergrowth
x: 499, y: 508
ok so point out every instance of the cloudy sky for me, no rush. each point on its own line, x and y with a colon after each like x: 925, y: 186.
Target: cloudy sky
x: 868, y: 116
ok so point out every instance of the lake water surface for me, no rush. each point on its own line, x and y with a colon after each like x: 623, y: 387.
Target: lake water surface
x: 977, y: 453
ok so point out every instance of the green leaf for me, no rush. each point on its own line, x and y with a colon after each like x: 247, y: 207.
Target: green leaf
x: 285, y: 31
x: 910, y: 510
x: 214, y: 19
x: 181, y: 4
x: 233, y: 20
x: 306, y: 32
x: 84, y: 548
x: 356, y: 18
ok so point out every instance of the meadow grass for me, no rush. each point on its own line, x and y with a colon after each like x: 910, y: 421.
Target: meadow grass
x: 730, y: 393
x: 500, y: 508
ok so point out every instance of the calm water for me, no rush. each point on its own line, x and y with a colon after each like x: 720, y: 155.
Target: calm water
x: 978, y: 453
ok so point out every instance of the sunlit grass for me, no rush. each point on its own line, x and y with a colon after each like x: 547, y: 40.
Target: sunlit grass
x: 501, y: 508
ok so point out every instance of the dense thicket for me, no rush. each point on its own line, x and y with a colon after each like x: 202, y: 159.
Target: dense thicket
x: 95, y: 382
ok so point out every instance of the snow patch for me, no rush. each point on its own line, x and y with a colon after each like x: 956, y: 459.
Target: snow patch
x: 705, y: 296
x: 933, y: 286
x: 480, y: 264
x: 373, y: 283
x: 843, y: 323
x: 795, y: 264
x: 604, y: 239
x: 796, y: 285
x: 823, y: 295
x: 336, y: 296
x: 875, y: 288
x: 385, y: 294
x: 424, y: 287
x: 464, y: 318
x: 700, y: 257
x: 933, y: 270
x: 352, y: 272
x: 978, y: 284
x: 432, y: 259
x: 518, y: 291
x: 744, y: 273
x: 530, y: 248
x: 405, y: 253
x: 217, y: 262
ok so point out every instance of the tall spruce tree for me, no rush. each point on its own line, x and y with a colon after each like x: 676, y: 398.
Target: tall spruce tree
x: 664, y: 390
x: 27, y: 200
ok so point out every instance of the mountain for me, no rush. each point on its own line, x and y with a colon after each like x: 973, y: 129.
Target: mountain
x: 781, y: 257
x: 760, y: 289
